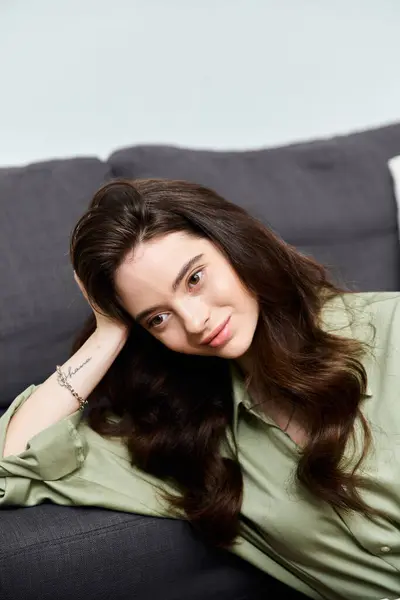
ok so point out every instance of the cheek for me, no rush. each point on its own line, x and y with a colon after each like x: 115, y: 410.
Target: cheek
x: 225, y: 288
x: 177, y: 342
x: 233, y: 292
x: 174, y: 339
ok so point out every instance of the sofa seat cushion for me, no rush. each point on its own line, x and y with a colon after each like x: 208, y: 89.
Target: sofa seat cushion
x: 92, y: 554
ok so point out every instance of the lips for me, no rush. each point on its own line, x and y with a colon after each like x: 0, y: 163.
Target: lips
x: 216, y: 331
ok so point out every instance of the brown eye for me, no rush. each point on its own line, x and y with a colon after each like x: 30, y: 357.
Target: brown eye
x: 196, y: 278
x: 153, y: 322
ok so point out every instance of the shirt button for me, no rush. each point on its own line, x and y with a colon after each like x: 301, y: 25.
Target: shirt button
x: 385, y: 549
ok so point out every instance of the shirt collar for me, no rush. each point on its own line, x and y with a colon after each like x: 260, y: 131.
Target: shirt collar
x: 240, y: 394
x: 334, y: 319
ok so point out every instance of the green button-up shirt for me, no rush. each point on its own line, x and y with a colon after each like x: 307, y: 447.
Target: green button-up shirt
x: 285, y: 531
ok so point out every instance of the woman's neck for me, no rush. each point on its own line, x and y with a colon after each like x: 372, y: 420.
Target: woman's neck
x: 244, y: 363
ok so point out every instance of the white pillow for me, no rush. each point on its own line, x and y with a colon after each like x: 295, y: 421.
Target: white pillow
x: 394, y: 168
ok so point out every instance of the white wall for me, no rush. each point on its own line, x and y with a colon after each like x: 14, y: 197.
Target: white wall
x: 88, y: 76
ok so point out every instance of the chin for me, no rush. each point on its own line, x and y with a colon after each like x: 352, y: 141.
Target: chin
x: 234, y: 349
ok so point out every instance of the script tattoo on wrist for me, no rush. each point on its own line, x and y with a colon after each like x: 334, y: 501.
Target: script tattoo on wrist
x: 72, y: 372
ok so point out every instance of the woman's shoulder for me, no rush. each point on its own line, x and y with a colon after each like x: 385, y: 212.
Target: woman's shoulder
x: 376, y: 300
x: 381, y: 309
x: 366, y: 316
x: 361, y: 306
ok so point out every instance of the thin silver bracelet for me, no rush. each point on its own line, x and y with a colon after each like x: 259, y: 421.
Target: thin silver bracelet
x: 62, y: 380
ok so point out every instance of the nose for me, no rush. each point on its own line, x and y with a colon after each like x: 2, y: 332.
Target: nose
x: 195, y: 316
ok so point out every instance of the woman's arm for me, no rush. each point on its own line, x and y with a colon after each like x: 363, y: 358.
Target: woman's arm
x: 51, y: 402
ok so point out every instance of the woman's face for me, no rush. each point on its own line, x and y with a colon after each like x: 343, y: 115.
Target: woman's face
x: 182, y: 290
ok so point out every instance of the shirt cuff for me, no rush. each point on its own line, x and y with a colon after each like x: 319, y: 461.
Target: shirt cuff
x: 51, y: 454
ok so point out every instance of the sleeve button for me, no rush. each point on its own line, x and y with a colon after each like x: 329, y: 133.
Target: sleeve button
x: 385, y: 549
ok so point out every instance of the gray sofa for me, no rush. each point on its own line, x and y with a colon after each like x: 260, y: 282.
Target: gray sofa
x: 331, y: 198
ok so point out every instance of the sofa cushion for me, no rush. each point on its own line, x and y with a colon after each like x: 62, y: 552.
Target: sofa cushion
x: 94, y: 554
x: 394, y: 168
x: 40, y: 305
x: 333, y: 198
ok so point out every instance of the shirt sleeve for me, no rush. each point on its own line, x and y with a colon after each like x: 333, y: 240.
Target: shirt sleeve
x: 50, y: 455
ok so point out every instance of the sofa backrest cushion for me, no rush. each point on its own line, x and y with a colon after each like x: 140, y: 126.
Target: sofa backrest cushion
x: 333, y: 199
x: 41, y: 307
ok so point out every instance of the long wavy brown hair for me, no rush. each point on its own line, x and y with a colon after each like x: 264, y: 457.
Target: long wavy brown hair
x: 175, y: 409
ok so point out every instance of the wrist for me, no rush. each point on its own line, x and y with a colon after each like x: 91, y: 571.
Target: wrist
x: 110, y: 336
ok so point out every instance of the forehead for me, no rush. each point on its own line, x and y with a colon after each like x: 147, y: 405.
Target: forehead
x: 153, y: 265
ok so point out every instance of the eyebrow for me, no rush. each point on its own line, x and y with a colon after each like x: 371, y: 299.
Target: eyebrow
x: 186, y: 267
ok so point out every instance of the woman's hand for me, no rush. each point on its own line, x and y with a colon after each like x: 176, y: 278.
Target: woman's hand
x: 105, y: 325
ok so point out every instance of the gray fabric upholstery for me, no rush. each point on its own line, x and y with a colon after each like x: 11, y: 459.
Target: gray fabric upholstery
x: 52, y: 552
x: 333, y: 199
x: 40, y: 305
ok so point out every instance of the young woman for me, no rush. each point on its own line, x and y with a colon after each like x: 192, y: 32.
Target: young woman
x: 230, y: 384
